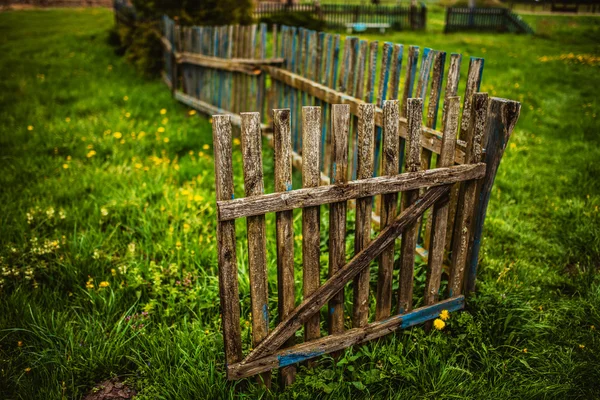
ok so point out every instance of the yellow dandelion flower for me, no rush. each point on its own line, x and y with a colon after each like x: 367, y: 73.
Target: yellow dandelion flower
x: 113, y: 272
x: 206, y: 147
x: 593, y: 327
x: 236, y: 141
x: 186, y: 227
x: 65, y: 166
x: 68, y: 119
x: 163, y: 111
x: 127, y: 115
x: 525, y: 350
x: 30, y: 127
x: 582, y: 346
x: 20, y: 343
x: 192, y: 112
x: 164, y: 121
x: 178, y: 245
x: 89, y: 285
x: 104, y: 284
x: 118, y: 135
x: 104, y: 212
x: 161, y: 129
x: 513, y: 145
x: 445, y: 315
x: 91, y: 154
x: 125, y: 98
x: 27, y: 369
x: 206, y: 331
x: 439, y: 324
x: 166, y: 140
x: 122, y: 141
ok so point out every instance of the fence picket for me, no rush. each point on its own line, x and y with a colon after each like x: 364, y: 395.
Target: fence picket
x: 390, y: 160
x: 409, y: 235
x: 466, y: 198
x: 340, y: 124
x: 362, y: 231
x: 284, y: 221
x: 257, y: 244
x: 228, y: 283
x: 439, y: 215
x: 311, y: 238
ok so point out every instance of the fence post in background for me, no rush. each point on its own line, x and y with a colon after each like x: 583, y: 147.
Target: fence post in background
x: 501, y: 119
x: 174, y: 50
x: 423, y: 16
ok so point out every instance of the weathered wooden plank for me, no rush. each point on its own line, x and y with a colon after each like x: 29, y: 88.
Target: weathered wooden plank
x: 409, y: 236
x: 313, y: 303
x: 439, y: 62
x: 466, y: 198
x: 362, y: 230
x: 209, y: 109
x: 390, y: 160
x: 431, y: 139
x: 340, y: 120
x: 439, y: 215
x: 284, y: 224
x: 228, y: 282
x: 409, y: 82
x: 257, y: 245
x: 501, y: 120
x: 397, y: 54
x: 310, y: 197
x: 473, y: 82
x: 351, y: 337
x: 384, y: 79
x: 357, y: 90
x: 311, y: 231
x: 372, y: 70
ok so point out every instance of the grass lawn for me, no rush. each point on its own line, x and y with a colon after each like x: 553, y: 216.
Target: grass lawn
x: 107, y: 230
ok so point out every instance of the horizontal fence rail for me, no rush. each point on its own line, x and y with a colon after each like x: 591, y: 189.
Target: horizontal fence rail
x: 484, y: 19
x: 338, y: 16
x: 412, y: 163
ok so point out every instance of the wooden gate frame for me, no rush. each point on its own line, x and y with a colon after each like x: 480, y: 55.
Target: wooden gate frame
x: 491, y: 122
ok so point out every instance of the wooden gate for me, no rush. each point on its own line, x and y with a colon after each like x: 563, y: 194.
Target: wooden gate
x: 420, y: 190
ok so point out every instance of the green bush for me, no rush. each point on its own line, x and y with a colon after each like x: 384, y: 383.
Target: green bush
x: 194, y: 12
x: 140, y: 44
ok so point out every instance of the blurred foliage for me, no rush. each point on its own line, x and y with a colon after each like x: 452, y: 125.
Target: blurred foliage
x: 193, y: 12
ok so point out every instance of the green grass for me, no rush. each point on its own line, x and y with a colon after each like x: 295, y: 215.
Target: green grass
x: 137, y: 211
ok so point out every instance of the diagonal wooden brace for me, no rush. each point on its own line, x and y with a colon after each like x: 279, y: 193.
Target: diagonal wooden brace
x: 314, y: 302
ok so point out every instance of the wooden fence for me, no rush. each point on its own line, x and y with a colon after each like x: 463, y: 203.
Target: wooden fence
x: 484, y: 19
x: 336, y: 16
x: 379, y: 139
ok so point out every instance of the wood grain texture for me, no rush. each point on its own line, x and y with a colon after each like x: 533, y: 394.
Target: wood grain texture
x: 311, y: 231
x: 466, y: 198
x: 501, y: 120
x: 390, y: 165
x: 257, y: 245
x: 331, y: 343
x: 284, y: 225
x: 409, y: 236
x: 362, y: 230
x: 340, y: 123
x: 313, y: 303
x: 228, y: 282
x: 308, y: 197
x: 439, y: 215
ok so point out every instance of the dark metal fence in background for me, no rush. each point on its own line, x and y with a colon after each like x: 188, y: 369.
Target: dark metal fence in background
x: 484, y: 19
x: 338, y: 15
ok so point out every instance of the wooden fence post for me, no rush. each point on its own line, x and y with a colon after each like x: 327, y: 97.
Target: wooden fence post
x: 501, y: 119
x: 257, y: 244
x: 228, y: 280
x: 284, y: 221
